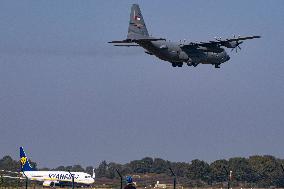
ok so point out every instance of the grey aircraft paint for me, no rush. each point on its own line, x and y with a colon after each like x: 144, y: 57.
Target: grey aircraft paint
x: 192, y: 54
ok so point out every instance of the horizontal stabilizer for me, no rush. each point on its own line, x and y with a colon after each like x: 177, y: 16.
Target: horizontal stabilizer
x: 126, y: 45
x: 137, y: 40
x: 122, y: 41
x: 149, y: 39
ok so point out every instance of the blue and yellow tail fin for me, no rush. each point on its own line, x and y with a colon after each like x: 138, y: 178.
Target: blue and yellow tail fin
x: 25, y: 164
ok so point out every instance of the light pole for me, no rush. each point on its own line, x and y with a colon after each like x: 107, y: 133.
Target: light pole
x: 120, y: 177
x: 1, y: 180
x: 72, y: 179
x: 175, y: 178
x: 26, y: 179
x: 229, y: 176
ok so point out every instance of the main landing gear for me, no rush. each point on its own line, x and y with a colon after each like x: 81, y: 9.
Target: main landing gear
x: 192, y: 64
x: 217, y: 65
x: 176, y: 64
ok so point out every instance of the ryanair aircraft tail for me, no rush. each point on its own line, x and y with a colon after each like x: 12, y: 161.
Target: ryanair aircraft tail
x: 25, y: 165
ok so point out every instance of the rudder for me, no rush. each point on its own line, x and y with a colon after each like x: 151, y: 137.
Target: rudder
x: 136, y: 25
x: 25, y: 164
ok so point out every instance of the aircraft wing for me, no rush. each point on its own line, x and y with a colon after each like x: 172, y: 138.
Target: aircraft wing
x: 229, y: 43
x: 7, y: 176
x: 243, y: 38
x: 6, y: 171
x: 136, y: 38
x: 122, y: 41
x: 149, y: 39
x: 126, y: 45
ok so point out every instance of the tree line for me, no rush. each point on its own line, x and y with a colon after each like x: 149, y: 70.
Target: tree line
x: 255, y: 171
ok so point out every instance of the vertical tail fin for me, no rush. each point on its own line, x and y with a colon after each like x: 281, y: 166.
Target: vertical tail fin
x: 25, y: 165
x: 94, y: 174
x: 137, y: 25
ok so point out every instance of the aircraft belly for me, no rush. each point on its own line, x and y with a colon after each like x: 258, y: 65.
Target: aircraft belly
x: 162, y: 54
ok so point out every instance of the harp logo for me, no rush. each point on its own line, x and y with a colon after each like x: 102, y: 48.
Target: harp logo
x: 23, y: 161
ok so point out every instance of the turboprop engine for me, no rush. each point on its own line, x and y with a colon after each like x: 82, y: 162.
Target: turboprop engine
x: 183, y: 56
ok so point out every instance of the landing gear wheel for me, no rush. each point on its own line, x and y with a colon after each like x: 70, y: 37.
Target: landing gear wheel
x: 194, y: 64
x: 174, y: 65
x: 179, y: 64
x: 217, y: 65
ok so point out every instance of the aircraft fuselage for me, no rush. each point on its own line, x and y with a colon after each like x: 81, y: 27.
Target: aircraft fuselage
x: 51, y: 178
x: 173, y: 53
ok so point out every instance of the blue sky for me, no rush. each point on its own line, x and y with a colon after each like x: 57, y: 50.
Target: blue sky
x: 69, y: 97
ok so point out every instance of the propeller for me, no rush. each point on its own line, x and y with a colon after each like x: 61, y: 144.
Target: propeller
x: 218, y: 38
x: 237, y: 44
x: 237, y: 47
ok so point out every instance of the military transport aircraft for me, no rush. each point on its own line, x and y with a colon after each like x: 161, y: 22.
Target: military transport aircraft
x: 177, y: 53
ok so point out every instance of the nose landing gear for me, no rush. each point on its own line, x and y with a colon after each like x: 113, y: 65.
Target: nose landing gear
x: 192, y: 64
x: 217, y: 65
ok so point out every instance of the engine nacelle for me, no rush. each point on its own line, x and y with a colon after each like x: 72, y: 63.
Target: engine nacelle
x: 183, y: 56
x: 232, y: 44
x: 49, y: 183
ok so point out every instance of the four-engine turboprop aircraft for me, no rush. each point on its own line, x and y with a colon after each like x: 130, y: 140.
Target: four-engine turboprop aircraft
x: 52, y: 178
x: 192, y: 54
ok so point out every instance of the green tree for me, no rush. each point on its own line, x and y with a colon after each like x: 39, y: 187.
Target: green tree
x: 142, y: 166
x: 7, y: 163
x: 77, y: 168
x: 181, y: 169
x: 102, y: 170
x: 60, y: 168
x: 112, y: 167
x: 242, y: 171
x: 160, y: 166
x: 268, y: 170
x: 218, y: 173
x: 199, y: 170
x: 89, y: 170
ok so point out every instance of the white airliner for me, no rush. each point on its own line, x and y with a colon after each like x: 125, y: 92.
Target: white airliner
x: 52, y: 178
